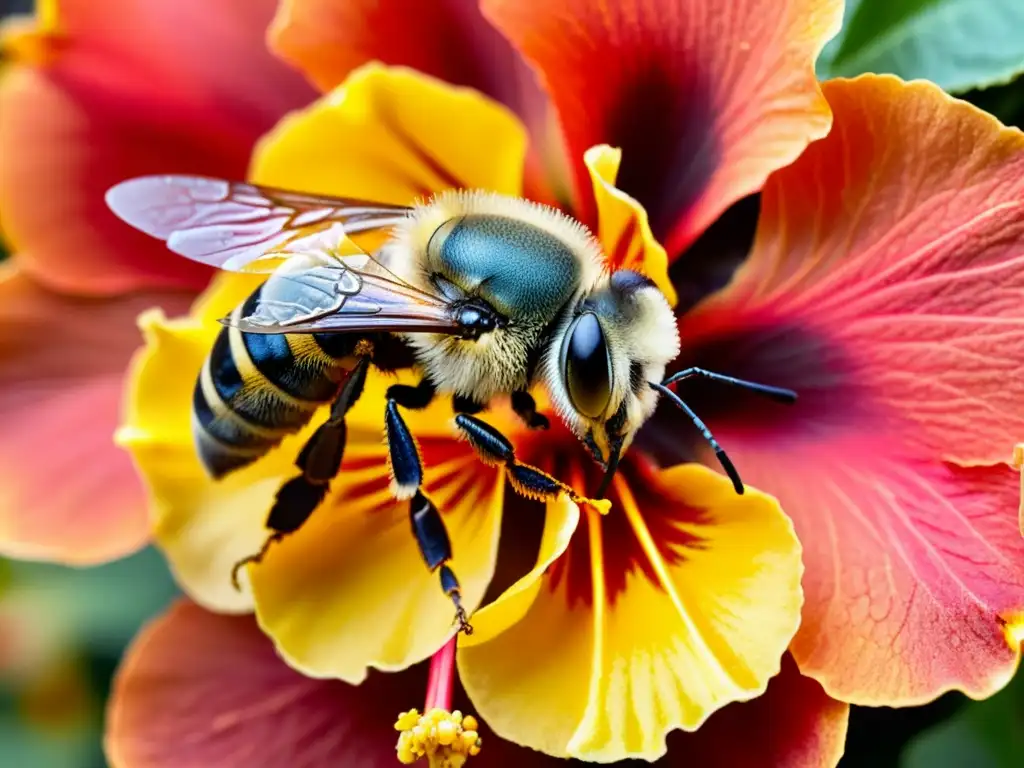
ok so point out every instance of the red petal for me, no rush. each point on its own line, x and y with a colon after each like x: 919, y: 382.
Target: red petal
x: 68, y: 493
x: 886, y: 286
x: 794, y: 724
x: 448, y: 39
x: 131, y: 88
x: 202, y: 690
x: 199, y: 690
x: 705, y: 98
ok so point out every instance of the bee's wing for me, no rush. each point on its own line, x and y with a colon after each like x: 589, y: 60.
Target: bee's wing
x: 318, y: 292
x: 234, y: 226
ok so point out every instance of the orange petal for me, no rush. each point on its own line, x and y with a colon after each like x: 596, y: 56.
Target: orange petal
x: 679, y: 602
x: 705, y: 98
x: 886, y: 287
x: 130, y: 88
x: 66, y: 492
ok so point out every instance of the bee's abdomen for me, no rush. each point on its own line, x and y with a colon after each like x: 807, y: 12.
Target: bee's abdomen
x: 255, y: 389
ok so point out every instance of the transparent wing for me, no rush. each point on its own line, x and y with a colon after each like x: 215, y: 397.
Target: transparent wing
x: 317, y: 292
x: 234, y: 226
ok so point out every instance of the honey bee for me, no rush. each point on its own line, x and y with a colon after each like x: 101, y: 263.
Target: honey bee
x: 483, y: 295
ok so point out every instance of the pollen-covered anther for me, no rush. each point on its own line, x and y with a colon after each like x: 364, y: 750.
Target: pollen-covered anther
x: 445, y: 739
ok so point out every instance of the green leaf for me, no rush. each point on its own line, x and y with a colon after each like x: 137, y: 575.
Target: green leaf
x: 98, y: 608
x: 959, y: 44
x: 984, y: 734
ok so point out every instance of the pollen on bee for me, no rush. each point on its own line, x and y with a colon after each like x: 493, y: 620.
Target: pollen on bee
x: 444, y: 739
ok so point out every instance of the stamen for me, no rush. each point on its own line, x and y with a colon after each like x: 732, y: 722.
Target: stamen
x: 445, y: 738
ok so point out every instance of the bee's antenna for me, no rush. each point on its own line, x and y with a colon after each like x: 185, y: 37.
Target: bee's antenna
x: 778, y: 394
x: 723, y: 459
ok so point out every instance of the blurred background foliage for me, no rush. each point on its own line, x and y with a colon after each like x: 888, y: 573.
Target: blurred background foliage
x: 63, y: 630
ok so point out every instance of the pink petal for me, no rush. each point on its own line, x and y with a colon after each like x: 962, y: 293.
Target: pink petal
x: 130, y: 88
x: 66, y: 492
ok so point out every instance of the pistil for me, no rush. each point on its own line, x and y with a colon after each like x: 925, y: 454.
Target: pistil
x: 444, y: 737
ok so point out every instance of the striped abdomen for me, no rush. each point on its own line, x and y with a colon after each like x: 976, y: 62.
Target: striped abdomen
x: 255, y: 389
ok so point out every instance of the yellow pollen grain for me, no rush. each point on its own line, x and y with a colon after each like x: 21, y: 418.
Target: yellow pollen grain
x: 445, y: 739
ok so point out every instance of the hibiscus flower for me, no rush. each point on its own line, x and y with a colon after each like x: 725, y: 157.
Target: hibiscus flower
x: 883, y: 284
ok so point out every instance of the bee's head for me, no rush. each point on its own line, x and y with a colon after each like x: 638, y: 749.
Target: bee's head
x: 617, y: 339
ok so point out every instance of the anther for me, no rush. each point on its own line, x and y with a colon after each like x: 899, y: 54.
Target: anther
x: 445, y: 738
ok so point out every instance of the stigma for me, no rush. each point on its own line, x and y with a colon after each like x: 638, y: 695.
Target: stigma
x: 445, y: 739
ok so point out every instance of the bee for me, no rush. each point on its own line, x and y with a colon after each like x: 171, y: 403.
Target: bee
x: 483, y: 295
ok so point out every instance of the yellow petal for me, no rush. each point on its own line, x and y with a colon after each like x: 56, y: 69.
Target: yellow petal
x: 390, y: 134
x: 560, y: 521
x: 350, y: 590
x: 658, y: 647
x: 202, y: 526
x: 31, y: 39
x: 623, y: 228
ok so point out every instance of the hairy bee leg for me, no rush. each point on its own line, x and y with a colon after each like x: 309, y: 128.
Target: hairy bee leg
x: 494, y: 448
x: 414, y: 398
x: 427, y: 526
x: 462, y: 404
x: 780, y: 394
x: 526, y: 409
x: 253, y: 559
x: 320, y: 461
x: 436, y: 548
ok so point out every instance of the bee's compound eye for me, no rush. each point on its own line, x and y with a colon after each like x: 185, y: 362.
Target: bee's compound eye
x: 586, y: 366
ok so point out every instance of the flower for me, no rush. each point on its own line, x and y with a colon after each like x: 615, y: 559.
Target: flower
x: 92, y: 92
x: 883, y: 285
x: 202, y: 689
x: 353, y: 571
x: 390, y: 134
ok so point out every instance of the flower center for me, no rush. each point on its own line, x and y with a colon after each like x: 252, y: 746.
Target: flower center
x: 445, y: 738
x: 645, y: 525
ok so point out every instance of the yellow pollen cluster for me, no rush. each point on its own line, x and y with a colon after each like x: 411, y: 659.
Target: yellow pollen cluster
x: 446, y: 739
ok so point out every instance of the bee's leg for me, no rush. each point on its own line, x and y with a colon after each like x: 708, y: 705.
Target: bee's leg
x: 319, y: 460
x: 462, y: 404
x: 413, y: 398
x: 495, y: 449
x: 427, y: 525
x: 526, y: 409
